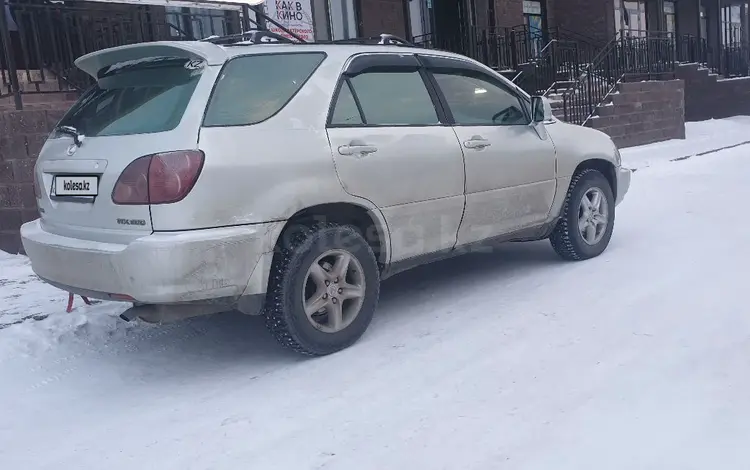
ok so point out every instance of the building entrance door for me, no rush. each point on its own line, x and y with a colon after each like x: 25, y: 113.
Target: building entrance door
x: 454, y: 22
x: 533, y: 18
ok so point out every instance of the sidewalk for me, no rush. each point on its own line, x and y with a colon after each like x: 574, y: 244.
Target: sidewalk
x: 701, y: 137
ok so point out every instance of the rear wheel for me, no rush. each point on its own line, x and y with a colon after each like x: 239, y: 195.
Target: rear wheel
x: 323, y: 289
x: 588, y: 218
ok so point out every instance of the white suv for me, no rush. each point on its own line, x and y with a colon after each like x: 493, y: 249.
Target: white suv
x: 288, y: 179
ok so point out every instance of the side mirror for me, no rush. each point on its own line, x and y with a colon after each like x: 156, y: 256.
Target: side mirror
x: 541, y: 109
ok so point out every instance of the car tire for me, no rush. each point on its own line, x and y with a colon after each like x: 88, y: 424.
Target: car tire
x: 573, y: 238
x: 295, y: 284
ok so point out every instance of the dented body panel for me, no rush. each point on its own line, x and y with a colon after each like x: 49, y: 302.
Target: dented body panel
x: 157, y: 268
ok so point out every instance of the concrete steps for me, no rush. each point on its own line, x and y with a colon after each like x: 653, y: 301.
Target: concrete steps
x: 556, y: 103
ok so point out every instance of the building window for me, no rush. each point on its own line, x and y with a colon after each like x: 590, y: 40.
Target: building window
x: 731, y: 25
x: 630, y: 18
x: 670, y: 18
x: 196, y: 23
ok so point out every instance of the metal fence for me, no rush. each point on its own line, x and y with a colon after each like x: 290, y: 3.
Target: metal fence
x: 39, y: 42
x: 504, y: 49
x: 730, y: 59
x: 651, y: 55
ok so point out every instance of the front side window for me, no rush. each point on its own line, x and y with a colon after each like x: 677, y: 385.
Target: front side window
x: 397, y: 98
x: 476, y: 100
x: 253, y: 88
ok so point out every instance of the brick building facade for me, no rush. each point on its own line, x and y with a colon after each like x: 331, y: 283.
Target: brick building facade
x: 598, y: 20
x: 408, y: 18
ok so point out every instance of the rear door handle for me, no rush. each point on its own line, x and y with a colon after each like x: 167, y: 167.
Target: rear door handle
x: 357, y: 149
x: 476, y: 142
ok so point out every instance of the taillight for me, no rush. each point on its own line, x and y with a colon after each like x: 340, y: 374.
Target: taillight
x: 132, y: 185
x: 161, y: 178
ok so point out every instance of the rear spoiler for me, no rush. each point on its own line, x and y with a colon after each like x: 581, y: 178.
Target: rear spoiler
x: 210, y: 53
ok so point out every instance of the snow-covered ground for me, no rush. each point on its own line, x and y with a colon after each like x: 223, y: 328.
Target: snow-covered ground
x: 639, y: 359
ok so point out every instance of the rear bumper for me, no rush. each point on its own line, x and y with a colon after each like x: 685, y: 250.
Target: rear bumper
x: 623, y: 183
x: 159, y: 268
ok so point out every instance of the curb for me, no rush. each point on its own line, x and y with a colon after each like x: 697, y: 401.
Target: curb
x: 679, y: 159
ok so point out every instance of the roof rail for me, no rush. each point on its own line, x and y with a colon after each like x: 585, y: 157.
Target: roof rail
x: 263, y: 36
x: 384, y: 39
x: 253, y: 36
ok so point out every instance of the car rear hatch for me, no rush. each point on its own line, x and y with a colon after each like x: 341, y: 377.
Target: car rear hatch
x: 142, y: 105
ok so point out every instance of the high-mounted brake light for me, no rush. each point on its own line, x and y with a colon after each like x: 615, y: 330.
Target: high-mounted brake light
x: 161, y: 178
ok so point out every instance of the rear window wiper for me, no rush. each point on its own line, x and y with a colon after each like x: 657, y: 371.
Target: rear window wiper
x: 73, y: 132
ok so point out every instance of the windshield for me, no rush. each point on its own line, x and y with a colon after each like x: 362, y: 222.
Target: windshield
x: 136, y: 97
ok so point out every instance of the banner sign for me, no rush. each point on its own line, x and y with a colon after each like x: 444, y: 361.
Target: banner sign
x: 294, y: 15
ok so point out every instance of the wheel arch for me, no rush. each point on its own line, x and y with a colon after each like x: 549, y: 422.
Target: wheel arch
x: 603, y: 166
x: 370, y: 223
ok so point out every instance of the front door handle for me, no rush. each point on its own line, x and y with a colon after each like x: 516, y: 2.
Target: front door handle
x: 476, y: 142
x: 359, y: 150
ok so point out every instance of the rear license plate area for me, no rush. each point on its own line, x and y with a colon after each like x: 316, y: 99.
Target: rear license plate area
x: 75, y: 186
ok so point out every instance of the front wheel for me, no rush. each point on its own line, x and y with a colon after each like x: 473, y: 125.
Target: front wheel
x: 588, y: 217
x: 323, y: 290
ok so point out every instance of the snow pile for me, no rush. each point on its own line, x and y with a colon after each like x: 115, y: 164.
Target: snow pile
x: 33, y: 316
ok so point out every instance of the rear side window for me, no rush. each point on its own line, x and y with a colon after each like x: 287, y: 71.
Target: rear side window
x: 346, y: 112
x: 136, y: 97
x: 393, y: 99
x: 253, y: 88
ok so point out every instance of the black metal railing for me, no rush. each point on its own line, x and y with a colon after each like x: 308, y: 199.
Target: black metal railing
x: 39, y: 42
x: 558, y: 65
x: 733, y: 60
x: 691, y: 49
x: 728, y: 60
x: 648, y: 55
x: 504, y: 49
x: 543, y: 57
x: 558, y: 61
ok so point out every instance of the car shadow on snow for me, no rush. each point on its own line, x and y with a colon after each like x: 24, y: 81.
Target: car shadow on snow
x: 217, y: 343
x: 434, y: 283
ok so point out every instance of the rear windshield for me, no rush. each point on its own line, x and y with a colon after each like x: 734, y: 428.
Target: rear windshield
x: 253, y: 88
x: 136, y: 97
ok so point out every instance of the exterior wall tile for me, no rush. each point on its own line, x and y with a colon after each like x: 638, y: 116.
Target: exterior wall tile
x: 22, y: 135
x: 707, y: 97
x: 382, y: 16
x: 509, y: 13
x: 643, y: 113
x: 592, y: 18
